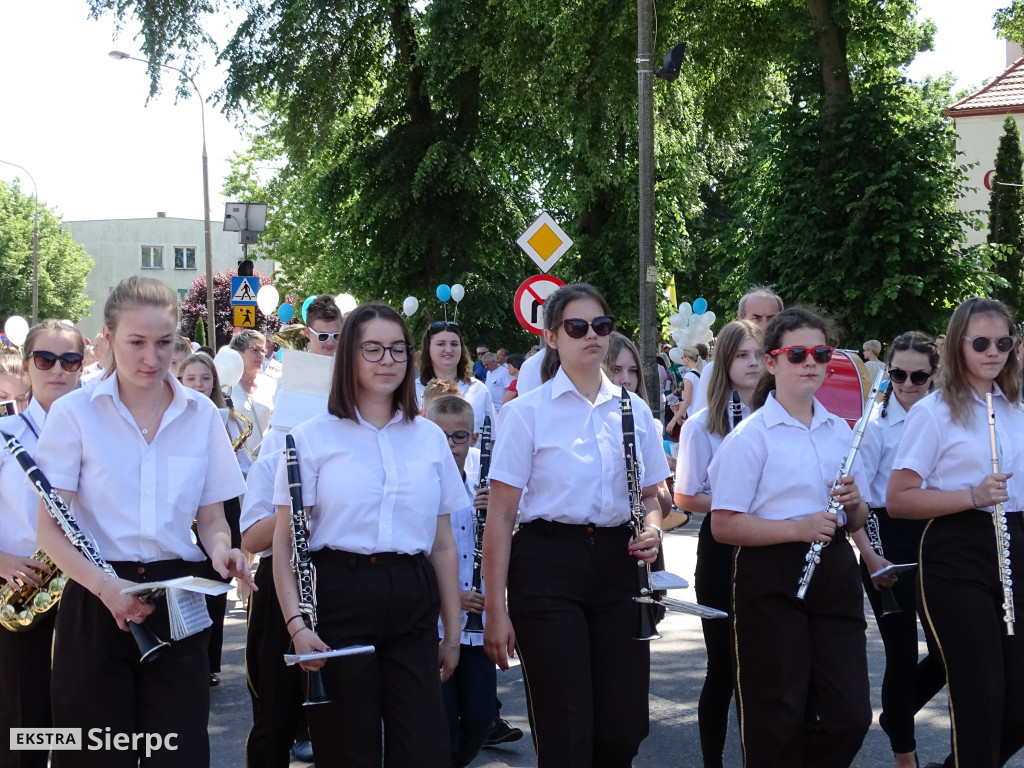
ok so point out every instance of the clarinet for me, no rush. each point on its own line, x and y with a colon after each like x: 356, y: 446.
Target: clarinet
x: 737, y: 409
x: 646, y: 625
x: 813, y: 556
x: 149, y: 644
x: 475, y: 621
x: 303, y: 567
x: 889, y: 604
x: 1002, y: 532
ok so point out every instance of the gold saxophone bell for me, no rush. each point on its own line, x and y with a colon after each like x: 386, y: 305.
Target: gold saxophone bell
x: 292, y: 337
x: 21, y: 608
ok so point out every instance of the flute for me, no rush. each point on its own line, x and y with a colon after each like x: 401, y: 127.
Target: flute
x: 475, y: 621
x: 813, y: 556
x: 1002, y: 532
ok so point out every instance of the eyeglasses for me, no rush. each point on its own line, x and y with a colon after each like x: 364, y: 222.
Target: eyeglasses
x: 261, y: 350
x: 459, y: 437
x: 443, y: 325
x: 374, y: 352
x: 577, y: 329
x: 69, y: 361
x: 322, y: 337
x: 797, y: 355
x: 982, y: 343
x: 917, y: 378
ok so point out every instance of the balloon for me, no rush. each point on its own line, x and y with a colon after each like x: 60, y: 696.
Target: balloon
x: 267, y: 298
x: 675, y: 355
x: 68, y: 323
x: 678, y: 336
x: 229, y: 366
x: 286, y: 312
x: 305, y: 306
x: 458, y: 292
x: 16, y: 329
x: 410, y: 305
x: 709, y: 318
x: 676, y: 321
x: 685, y: 310
x: 444, y: 292
x: 195, y: 346
x: 700, y: 306
x: 346, y: 302
x: 708, y: 336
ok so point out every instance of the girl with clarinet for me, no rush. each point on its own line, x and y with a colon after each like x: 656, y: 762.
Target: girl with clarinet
x: 137, y: 457
x: 571, y: 569
x: 738, y: 366
x: 909, y: 683
x: 945, y: 473
x: 800, y: 664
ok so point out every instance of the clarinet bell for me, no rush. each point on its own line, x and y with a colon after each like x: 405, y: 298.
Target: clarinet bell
x: 316, y: 691
x: 474, y: 623
x: 889, y: 604
x: 149, y: 644
x: 647, y: 627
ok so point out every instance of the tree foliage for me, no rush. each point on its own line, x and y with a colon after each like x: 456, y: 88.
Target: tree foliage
x: 192, y: 309
x: 63, y: 263
x: 1006, y: 216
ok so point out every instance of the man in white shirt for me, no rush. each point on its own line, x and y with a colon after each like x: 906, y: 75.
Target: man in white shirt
x: 498, y: 379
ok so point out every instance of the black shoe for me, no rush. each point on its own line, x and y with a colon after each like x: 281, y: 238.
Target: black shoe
x: 214, y: 679
x: 502, y: 733
x: 302, y: 751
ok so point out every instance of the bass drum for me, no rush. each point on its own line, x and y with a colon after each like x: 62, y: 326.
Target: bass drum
x: 846, y: 387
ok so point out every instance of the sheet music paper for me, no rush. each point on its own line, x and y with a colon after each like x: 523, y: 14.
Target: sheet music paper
x: 894, y: 570
x: 290, y: 659
x: 665, y: 580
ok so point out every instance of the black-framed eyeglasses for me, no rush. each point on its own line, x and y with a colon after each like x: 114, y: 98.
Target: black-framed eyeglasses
x: 982, y: 343
x: 577, y: 329
x: 322, y: 337
x: 917, y: 378
x: 443, y: 325
x: 797, y: 355
x: 69, y: 361
x: 373, y: 352
x: 459, y: 438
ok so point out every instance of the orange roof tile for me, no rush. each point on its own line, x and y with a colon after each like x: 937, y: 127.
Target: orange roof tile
x: 1005, y: 94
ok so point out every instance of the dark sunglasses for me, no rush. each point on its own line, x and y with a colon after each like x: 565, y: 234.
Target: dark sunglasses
x: 459, y: 437
x: 917, y: 378
x: 443, y: 325
x: 69, y: 361
x: 322, y: 337
x: 797, y: 355
x: 577, y: 329
x: 982, y: 343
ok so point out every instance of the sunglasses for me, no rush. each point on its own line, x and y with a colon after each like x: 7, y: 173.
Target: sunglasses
x: 797, y: 355
x: 577, y: 329
x: 459, y: 437
x: 322, y: 337
x: 373, y: 352
x: 69, y: 361
x: 917, y: 378
x: 443, y: 325
x: 982, y: 343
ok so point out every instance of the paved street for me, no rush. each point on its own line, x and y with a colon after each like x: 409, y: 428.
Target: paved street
x: 677, y: 673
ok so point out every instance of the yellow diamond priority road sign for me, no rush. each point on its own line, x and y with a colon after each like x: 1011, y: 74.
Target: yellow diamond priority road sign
x: 544, y: 242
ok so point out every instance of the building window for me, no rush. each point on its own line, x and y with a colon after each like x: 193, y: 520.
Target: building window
x: 152, y: 257
x: 184, y: 257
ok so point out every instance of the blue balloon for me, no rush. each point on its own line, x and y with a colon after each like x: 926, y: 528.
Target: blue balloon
x: 285, y: 312
x: 305, y: 306
x: 444, y: 293
x: 700, y: 306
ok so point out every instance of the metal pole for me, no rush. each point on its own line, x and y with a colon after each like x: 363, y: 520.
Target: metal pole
x: 35, y: 244
x: 648, y: 336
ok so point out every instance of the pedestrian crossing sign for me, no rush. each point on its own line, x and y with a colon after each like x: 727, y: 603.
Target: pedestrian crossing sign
x: 243, y: 290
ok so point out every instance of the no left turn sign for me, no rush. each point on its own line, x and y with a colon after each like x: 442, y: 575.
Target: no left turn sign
x: 529, y: 301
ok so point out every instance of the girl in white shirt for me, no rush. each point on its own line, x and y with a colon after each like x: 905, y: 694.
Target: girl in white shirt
x: 571, y: 570
x: 943, y: 473
x: 53, y: 354
x: 378, y: 485
x: 444, y: 356
x: 770, y: 486
x: 137, y: 457
x: 739, y: 362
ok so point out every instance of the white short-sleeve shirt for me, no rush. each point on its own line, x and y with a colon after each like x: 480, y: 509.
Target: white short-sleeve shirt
x: 877, y: 450
x: 697, y: 447
x: 567, y: 453
x: 138, y: 500
x: 18, y: 498
x: 774, y: 467
x: 529, y: 372
x: 258, y: 503
x: 475, y: 393
x: 951, y: 457
x: 373, y: 490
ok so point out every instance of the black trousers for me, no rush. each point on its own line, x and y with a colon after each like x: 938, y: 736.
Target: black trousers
x: 217, y: 604
x: 469, y: 701
x: 275, y: 689
x: 961, y: 599
x: 570, y: 598
x: 909, y: 682
x: 99, y: 682
x: 713, y: 586
x: 389, y: 601
x: 25, y: 687
x: 794, y: 656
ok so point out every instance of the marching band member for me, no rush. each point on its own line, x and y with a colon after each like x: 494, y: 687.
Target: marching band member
x: 13, y: 382
x: 378, y: 484
x: 770, y: 489
x: 444, y: 356
x: 253, y: 394
x: 571, y: 569
x: 53, y: 363
x: 943, y: 473
x: 137, y: 457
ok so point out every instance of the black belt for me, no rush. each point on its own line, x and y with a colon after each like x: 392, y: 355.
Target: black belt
x: 355, y: 560
x: 571, y: 529
x: 158, y: 570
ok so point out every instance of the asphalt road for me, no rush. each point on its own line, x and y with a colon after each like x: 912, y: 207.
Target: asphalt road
x: 677, y: 672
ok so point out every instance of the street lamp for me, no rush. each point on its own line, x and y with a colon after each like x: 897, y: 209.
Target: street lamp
x: 35, y: 245
x: 211, y: 318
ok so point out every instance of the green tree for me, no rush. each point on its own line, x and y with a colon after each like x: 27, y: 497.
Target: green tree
x: 200, y: 332
x: 63, y: 264
x: 1006, y: 216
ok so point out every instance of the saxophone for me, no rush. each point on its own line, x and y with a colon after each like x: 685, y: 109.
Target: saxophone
x: 21, y: 608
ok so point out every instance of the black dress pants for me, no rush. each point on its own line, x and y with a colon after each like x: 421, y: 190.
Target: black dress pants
x: 25, y: 687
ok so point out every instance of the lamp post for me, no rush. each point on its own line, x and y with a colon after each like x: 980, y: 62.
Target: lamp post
x: 35, y: 244
x: 648, y: 262
x: 211, y: 318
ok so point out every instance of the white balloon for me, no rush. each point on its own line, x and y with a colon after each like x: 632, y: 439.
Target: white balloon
x: 346, y: 302
x: 68, y: 322
x: 16, y: 329
x: 708, y: 336
x: 678, y: 335
x: 676, y: 321
x: 675, y: 355
x: 458, y: 292
x: 410, y: 305
x: 709, y: 318
x: 685, y: 310
x: 267, y: 298
x: 229, y: 366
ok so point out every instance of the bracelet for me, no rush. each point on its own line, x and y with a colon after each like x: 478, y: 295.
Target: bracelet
x: 974, y: 501
x: 293, y: 618
x: 661, y: 533
x: 293, y: 634
x: 99, y: 592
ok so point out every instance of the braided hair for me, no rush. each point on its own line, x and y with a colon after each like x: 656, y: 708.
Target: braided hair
x: 913, y: 341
